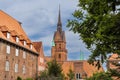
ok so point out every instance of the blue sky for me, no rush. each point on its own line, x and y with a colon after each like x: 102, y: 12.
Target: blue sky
x: 39, y: 20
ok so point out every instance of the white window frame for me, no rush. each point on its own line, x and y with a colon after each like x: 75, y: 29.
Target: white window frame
x: 7, y: 66
x: 24, y: 43
x: 16, y: 67
x: 41, y: 60
x: 17, y: 52
x: 8, y: 49
x: 119, y: 62
x: 8, y: 35
x: 24, y: 54
x: 17, y: 39
x: 23, y: 69
x: 31, y: 46
x: 78, y: 76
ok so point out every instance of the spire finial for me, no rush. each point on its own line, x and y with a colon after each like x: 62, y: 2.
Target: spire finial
x: 81, y: 55
x: 59, y: 24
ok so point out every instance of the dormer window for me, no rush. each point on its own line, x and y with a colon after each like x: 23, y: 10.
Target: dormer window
x: 24, y: 43
x: 17, y: 39
x: 31, y: 46
x: 8, y: 35
x: 119, y: 62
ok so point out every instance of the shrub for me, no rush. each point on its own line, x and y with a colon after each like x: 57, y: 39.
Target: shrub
x: 19, y: 78
x: 29, y: 79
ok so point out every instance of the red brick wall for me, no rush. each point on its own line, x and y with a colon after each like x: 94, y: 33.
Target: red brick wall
x: 30, y: 63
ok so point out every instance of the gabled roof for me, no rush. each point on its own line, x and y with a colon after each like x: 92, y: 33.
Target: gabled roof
x: 9, y: 24
x: 39, y: 47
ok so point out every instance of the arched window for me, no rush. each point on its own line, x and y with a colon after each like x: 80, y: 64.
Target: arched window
x: 59, y: 56
x: 59, y: 46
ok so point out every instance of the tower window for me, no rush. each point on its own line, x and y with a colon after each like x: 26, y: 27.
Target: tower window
x: 59, y: 46
x: 59, y: 55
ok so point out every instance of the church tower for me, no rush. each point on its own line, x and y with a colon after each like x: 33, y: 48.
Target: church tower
x: 59, y: 51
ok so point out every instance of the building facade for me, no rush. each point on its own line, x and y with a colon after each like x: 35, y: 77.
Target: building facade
x: 41, y: 62
x: 18, y: 57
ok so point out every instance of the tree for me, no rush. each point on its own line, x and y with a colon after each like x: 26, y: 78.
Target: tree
x: 98, y: 24
x: 100, y: 76
x: 53, y: 72
x: 19, y: 78
x: 71, y: 75
x: 115, y: 72
x: 54, y: 68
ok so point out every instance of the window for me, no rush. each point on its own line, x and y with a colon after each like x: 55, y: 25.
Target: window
x: 8, y: 35
x: 59, y: 46
x: 41, y: 60
x: 16, y: 67
x: 24, y: 54
x: 59, y: 56
x: 23, y: 69
x: 31, y: 46
x: 7, y: 66
x: 119, y: 62
x: 8, y: 49
x: 78, y: 76
x: 24, y: 43
x: 17, y: 52
x: 17, y: 39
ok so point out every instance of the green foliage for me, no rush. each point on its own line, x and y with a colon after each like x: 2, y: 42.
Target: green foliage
x: 29, y: 79
x: 97, y: 23
x: 71, y: 75
x: 115, y: 73
x: 100, y: 76
x: 53, y: 72
x: 19, y: 78
x: 54, y: 68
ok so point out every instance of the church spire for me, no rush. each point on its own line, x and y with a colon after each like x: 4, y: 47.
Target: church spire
x: 59, y: 24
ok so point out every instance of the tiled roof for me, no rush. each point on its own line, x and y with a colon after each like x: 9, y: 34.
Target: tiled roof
x: 114, y: 57
x: 48, y: 58
x: 37, y: 45
x: 11, y: 25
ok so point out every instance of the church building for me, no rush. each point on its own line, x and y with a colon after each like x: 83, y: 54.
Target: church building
x: 81, y: 68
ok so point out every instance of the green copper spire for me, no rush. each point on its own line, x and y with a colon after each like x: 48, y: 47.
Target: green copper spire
x: 53, y: 44
x: 81, y: 55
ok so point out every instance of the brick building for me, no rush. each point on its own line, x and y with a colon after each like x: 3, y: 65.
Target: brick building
x: 81, y: 68
x: 18, y: 56
x: 41, y: 62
